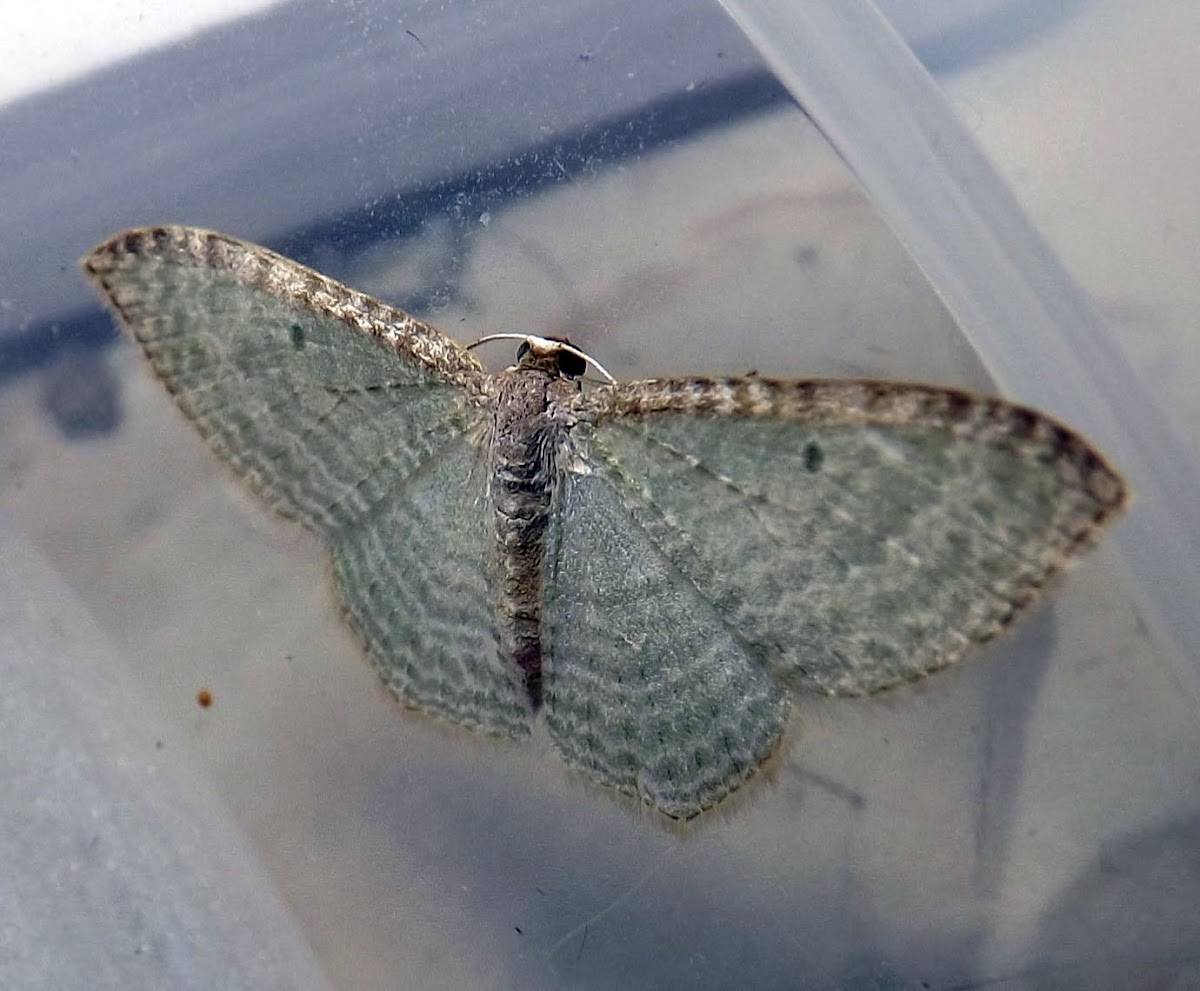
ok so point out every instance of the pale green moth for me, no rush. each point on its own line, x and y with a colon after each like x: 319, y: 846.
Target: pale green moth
x: 654, y: 567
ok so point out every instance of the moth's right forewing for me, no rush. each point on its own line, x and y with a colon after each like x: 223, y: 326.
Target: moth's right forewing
x: 853, y: 534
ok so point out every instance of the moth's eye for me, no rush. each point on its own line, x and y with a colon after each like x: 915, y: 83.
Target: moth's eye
x: 522, y: 350
x: 570, y: 365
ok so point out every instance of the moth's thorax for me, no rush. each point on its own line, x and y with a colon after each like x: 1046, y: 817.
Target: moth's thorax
x: 530, y: 428
x: 531, y: 418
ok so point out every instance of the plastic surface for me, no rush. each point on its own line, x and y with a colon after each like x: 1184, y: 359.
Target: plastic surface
x: 634, y: 176
x: 120, y: 868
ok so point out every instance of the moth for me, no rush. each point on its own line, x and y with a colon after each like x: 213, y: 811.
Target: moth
x: 655, y: 568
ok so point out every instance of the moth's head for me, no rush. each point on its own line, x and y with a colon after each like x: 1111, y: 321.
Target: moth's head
x: 556, y: 356
x: 553, y: 356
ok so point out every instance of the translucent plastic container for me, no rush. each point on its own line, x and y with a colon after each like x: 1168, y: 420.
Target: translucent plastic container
x: 638, y: 177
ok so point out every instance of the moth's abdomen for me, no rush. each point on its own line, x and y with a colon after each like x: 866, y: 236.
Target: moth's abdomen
x: 520, y: 515
x: 524, y: 440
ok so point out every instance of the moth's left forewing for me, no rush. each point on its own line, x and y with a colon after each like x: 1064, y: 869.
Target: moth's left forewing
x: 853, y: 534
x: 351, y: 415
x: 133, y: 269
x: 323, y: 399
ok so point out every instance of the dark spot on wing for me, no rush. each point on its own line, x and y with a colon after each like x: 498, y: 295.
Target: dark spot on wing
x: 814, y: 457
x: 959, y: 405
x: 298, y: 340
x: 1023, y: 422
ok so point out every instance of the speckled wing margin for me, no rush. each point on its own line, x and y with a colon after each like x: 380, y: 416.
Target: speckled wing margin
x: 322, y: 398
x: 355, y: 418
x: 851, y: 535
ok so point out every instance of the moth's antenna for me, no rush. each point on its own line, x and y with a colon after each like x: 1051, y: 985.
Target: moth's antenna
x: 502, y: 337
x: 547, y: 343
